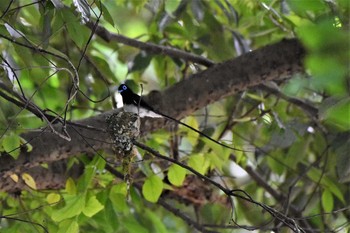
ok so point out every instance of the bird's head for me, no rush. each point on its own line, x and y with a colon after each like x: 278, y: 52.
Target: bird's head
x: 123, y: 88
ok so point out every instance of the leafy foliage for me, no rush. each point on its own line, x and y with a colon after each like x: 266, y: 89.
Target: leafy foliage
x: 293, y: 142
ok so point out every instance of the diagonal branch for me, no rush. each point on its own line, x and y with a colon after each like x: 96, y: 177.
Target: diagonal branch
x: 149, y: 47
x: 274, y: 62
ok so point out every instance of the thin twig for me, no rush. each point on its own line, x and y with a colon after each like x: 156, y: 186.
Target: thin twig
x: 290, y: 222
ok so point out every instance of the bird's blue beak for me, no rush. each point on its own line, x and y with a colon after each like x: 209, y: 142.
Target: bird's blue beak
x: 120, y: 91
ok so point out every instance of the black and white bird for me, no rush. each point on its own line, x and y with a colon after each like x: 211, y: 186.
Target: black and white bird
x: 134, y: 103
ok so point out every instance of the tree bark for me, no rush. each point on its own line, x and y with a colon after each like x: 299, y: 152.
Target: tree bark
x: 271, y: 63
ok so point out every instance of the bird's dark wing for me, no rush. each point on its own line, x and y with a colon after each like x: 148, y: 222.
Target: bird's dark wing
x: 138, y: 101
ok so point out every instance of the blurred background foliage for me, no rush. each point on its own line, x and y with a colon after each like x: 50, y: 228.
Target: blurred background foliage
x: 304, y: 157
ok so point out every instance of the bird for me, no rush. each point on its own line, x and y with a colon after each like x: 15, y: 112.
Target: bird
x: 134, y: 103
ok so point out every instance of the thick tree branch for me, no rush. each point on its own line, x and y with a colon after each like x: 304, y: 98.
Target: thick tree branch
x: 274, y: 62
x: 54, y: 177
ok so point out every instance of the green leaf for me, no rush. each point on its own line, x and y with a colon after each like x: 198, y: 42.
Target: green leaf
x: 53, y: 198
x: 216, y: 161
x: 29, y: 180
x: 92, y: 207
x: 117, y: 196
x: 89, y: 173
x: 70, y: 186
x: 134, y: 226
x: 257, y: 97
x: 327, y: 200
x: 274, y: 164
x: 220, y: 151
x: 341, y: 149
x: 157, y: 221
x: 11, y: 144
x: 152, y: 188
x: 327, y: 182
x: 192, y: 136
x: 75, y: 30
x: 213, y: 213
x: 328, y: 73
x: 106, y: 15
x: 119, y: 202
x: 27, y: 145
x: 140, y: 62
x: 327, y: 58
x: 109, y: 220
x: 120, y: 188
x: 298, y: 148
x: 170, y: 6
x: 74, y: 206
x: 176, y: 175
x: 303, y: 7
x: 136, y: 198
x: 198, y: 163
x: 102, y: 66
x: 338, y: 115
x: 68, y: 226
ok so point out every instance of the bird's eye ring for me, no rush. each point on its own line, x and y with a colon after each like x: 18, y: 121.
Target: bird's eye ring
x: 124, y: 87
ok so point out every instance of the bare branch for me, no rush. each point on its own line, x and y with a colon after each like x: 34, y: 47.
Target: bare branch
x: 149, y: 47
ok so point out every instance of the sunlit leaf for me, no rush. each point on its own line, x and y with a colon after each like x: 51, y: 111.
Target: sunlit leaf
x: 118, y: 197
x: 11, y: 144
x: 26, y: 144
x: 329, y: 73
x: 70, y: 186
x: 29, y: 180
x: 119, y: 202
x: 327, y: 200
x: 74, y: 205
x: 53, y: 198
x: 198, y: 163
x: 171, y: 6
x: 192, y: 136
x: 176, y: 174
x: 92, y: 206
x: 14, y: 177
x: 86, y: 179
x: 68, y: 226
x: 152, y: 188
x: 216, y: 160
